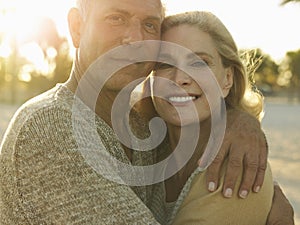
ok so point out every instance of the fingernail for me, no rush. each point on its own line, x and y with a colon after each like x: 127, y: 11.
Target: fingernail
x: 243, y: 194
x: 228, y: 193
x: 211, y: 186
x: 257, y: 189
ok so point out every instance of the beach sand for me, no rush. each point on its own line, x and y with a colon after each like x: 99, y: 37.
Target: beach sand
x: 282, y: 127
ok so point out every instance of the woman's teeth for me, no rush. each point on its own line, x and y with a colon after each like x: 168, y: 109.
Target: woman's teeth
x: 181, y: 99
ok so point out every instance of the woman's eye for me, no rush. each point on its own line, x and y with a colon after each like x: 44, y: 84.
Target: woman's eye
x: 163, y: 66
x: 116, y: 20
x: 199, y: 64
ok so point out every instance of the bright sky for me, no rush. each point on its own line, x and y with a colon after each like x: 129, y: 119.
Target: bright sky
x: 253, y: 23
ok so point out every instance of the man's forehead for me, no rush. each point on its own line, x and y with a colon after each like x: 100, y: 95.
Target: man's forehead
x: 146, y: 7
x: 139, y: 3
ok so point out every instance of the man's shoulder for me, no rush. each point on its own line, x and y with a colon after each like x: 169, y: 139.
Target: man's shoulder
x: 43, y: 109
x: 59, y: 96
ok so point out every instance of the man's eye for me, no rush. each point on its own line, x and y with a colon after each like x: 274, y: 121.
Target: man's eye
x: 163, y: 66
x: 116, y: 19
x: 150, y: 27
x: 199, y: 64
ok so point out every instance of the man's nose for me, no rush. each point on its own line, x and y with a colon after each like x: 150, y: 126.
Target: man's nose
x: 133, y: 33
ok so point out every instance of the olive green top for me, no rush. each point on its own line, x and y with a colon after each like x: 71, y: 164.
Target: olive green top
x: 196, y: 205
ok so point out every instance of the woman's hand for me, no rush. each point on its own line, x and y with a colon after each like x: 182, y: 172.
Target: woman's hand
x: 245, y: 145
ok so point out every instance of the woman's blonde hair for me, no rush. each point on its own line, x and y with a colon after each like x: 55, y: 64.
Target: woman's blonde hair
x: 241, y: 96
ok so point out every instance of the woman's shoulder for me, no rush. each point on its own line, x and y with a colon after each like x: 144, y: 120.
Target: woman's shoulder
x: 197, y: 204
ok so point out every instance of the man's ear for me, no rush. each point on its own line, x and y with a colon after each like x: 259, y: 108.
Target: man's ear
x: 75, y: 25
x: 228, y: 81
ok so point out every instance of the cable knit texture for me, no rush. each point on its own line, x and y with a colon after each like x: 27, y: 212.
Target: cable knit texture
x: 44, y: 178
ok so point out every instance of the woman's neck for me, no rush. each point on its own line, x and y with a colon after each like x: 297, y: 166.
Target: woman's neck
x: 175, y: 184
x: 175, y: 134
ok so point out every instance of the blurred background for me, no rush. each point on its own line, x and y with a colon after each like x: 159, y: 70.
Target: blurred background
x: 36, y: 54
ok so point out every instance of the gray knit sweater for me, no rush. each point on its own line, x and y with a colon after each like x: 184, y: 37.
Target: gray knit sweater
x: 44, y: 179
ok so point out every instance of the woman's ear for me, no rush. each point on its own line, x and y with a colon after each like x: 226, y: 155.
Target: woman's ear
x: 228, y: 81
x: 75, y: 24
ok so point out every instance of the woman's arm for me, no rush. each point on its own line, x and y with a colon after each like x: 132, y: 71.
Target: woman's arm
x: 245, y: 145
x: 282, y: 212
x: 196, y: 205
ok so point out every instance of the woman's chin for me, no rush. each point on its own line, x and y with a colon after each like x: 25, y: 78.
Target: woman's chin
x: 182, y: 122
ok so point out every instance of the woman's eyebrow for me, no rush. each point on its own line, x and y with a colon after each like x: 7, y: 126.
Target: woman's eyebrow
x: 200, y: 54
x: 165, y: 57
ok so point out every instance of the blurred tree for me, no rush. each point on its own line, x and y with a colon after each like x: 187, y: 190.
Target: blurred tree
x: 37, y: 61
x: 2, y: 70
x: 288, y: 1
x: 2, y: 63
x: 63, y: 64
x: 291, y: 70
x: 263, y: 71
x: 55, y: 49
x: 290, y: 74
x: 267, y: 74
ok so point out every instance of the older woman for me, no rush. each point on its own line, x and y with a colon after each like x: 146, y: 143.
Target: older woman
x: 183, y: 99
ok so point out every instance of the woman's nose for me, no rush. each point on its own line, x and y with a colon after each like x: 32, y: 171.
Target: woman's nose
x: 181, y: 78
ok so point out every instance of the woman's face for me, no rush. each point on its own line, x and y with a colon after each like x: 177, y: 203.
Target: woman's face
x: 183, y: 92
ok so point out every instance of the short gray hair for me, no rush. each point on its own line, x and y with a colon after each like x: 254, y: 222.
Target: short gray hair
x: 83, y: 6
